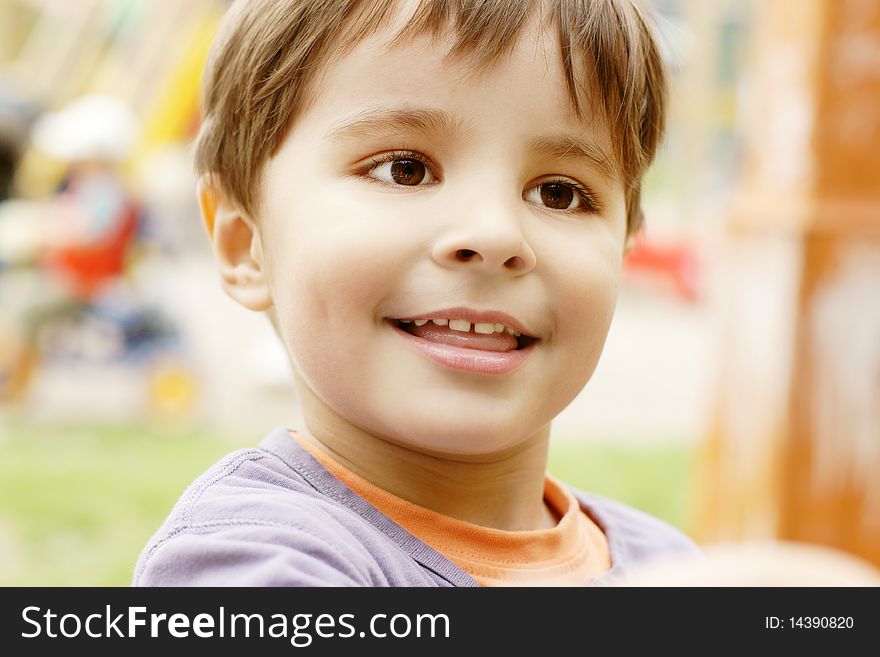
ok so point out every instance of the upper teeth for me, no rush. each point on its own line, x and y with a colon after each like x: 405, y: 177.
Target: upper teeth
x: 464, y: 325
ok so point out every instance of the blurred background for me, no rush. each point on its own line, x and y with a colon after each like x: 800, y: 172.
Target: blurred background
x: 738, y: 396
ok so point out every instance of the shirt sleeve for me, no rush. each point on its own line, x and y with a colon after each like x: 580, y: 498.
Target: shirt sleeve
x: 248, y: 555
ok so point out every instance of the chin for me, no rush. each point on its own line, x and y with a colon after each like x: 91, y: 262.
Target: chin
x: 452, y: 433
x: 484, y: 422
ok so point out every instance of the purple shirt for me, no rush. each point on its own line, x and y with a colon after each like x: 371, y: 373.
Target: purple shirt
x: 274, y: 516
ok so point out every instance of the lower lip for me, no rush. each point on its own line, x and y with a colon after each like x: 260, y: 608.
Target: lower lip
x: 478, y: 361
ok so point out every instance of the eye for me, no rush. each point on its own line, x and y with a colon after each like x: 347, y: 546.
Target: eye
x: 565, y: 195
x: 405, y: 169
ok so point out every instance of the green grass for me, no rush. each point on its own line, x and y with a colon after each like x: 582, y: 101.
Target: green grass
x: 651, y: 478
x: 77, y: 504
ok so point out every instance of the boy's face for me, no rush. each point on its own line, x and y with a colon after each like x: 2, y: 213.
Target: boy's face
x: 413, y: 189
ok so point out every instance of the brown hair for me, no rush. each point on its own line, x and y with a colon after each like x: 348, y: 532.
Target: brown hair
x: 269, y: 51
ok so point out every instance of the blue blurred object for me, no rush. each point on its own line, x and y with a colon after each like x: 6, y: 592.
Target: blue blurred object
x: 104, y: 333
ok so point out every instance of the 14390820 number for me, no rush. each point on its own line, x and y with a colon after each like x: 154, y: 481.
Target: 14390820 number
x: 821, y: 622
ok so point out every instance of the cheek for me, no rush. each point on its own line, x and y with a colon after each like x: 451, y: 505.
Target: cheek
x: 326, y: 297
x: 323, y: 311
x: 323, y: 263
x: 329, y: 278
x: 588, y: 297
x: 335, y: 258
x: 582, y: 333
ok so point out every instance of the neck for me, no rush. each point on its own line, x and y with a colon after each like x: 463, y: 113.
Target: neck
x: 503, y: 490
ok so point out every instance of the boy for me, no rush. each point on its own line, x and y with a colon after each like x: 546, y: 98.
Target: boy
x: 431, y: 201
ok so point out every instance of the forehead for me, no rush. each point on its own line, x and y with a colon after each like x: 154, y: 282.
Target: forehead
x: 429, y: 83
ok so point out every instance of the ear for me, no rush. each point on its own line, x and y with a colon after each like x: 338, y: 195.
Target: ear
x: 238, y: 248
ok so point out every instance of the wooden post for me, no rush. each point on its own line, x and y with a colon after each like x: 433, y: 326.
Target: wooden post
x: 794, y: 450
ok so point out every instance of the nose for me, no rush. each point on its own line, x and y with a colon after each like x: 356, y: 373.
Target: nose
x: 487, y: 241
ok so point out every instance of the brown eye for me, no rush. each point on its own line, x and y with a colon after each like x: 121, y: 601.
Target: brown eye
x: 407, y: 172
x: 557, y: 196
x: 564, y: 195
x: 402, y: 170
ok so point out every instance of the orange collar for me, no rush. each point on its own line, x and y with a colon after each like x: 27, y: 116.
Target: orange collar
x: 568, y: 554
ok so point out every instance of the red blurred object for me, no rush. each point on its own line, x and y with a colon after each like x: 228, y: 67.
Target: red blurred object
x: 676, y: 264
x: 85, y: 268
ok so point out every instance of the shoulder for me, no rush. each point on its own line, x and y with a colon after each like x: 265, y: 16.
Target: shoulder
x: 634, y: 536
x: 253, y: 519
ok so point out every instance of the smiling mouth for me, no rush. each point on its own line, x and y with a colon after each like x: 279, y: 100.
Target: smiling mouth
x: 465, y: 334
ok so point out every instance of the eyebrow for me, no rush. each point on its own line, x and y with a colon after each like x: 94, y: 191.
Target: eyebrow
x: 572, y: 147
x: 382, y: 119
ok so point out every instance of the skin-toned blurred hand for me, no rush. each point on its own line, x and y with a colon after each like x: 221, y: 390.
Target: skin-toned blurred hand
x: 764, y: 563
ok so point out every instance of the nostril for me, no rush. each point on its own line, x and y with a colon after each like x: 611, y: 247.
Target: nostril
x: 465, y: 254
x: 514, y: 262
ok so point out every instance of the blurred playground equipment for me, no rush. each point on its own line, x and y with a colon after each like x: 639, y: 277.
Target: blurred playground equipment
x: 78, y: 244
x: 794, y: 448
x: 93, y: 95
